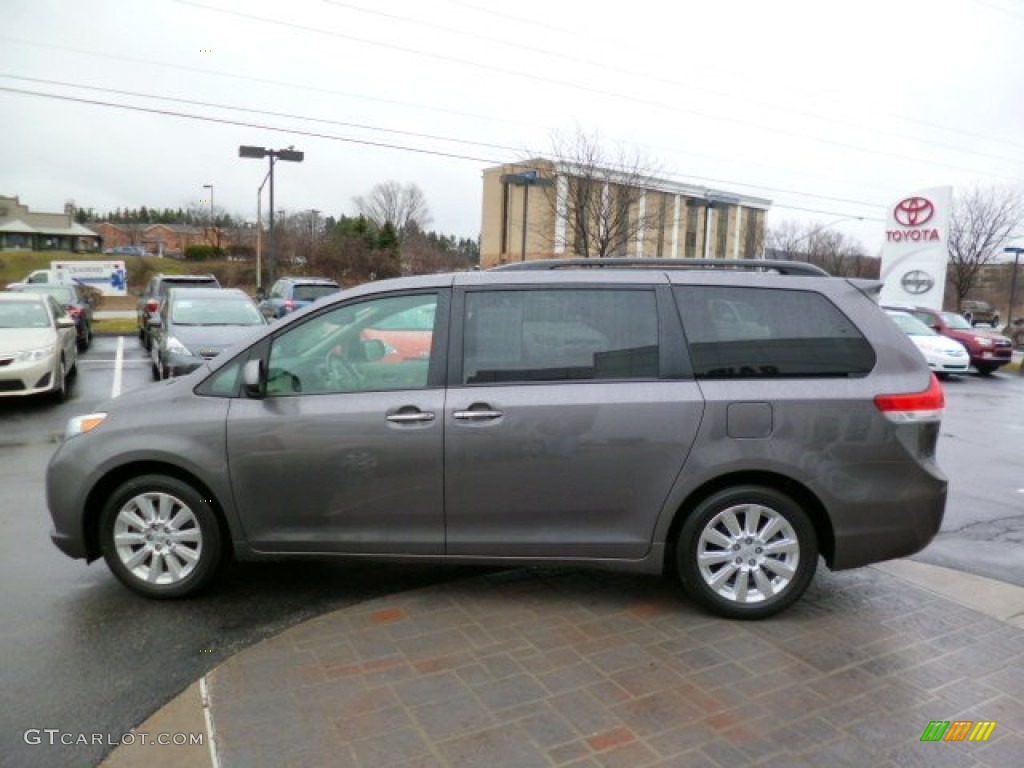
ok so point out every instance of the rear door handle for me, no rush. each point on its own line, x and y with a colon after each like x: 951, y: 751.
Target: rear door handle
x: 409, y: 417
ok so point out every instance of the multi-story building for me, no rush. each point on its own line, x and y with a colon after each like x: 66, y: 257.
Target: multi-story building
x: 542, y: 209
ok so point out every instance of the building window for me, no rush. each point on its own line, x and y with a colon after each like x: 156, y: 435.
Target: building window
x: 692, y: 222
x: 721, y: 231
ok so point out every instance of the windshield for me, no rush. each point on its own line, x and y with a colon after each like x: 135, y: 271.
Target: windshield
x: 910, y: 324
x: 955, y: 321
x: 23, y: 314
x: 313, y: 292
x: 228, y: 311
x: 61, y: 293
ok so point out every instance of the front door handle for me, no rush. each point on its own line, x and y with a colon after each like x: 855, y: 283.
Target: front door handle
x: 480, y: 415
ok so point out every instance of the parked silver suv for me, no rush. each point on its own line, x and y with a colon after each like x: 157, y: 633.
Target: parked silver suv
x: 728, y: 424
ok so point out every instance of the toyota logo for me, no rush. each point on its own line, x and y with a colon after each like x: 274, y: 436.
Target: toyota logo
x: 913, y: 211
x: 917, y: 282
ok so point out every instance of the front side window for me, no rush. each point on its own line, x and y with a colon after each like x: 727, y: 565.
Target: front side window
x: 356, y: 348
x: 559, y: 335
x: 766, y: 333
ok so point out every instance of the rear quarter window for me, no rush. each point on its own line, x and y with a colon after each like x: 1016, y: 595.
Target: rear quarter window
x: 736, y: 332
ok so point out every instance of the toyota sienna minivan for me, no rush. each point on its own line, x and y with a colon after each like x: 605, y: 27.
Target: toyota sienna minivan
x: 587, y: 413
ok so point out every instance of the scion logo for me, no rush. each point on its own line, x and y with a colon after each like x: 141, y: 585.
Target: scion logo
x: 917, y: 282
x: 914, y: 211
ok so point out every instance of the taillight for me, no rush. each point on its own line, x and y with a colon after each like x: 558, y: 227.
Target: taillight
x: 289, y: 304
x: 75, y: 312
x: 915, y: 407
x: 152, y: 305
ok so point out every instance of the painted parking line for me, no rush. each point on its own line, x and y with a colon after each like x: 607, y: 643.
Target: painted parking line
x: 118, y: 367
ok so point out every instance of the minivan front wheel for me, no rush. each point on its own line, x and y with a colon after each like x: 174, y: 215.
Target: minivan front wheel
x: 747, y: 552
x: 160, y: 537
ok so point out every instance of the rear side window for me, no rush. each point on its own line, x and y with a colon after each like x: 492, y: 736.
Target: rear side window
x: 765, y: 333
x: 558, y: 335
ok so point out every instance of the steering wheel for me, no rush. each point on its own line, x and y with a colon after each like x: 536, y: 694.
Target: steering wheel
x: 341, y: 372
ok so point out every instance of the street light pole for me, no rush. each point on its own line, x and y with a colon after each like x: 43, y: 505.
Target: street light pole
x: 312, y: 231
x: 1016, y: 251
x: 289, y: 155
x: 210, y: 187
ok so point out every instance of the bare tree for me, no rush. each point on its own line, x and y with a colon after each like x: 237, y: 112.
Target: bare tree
x: 981, y: 222
x: 833, y: 251
x: 788, y: 240
x: 599, y: 207
x: 399, y: 205
x: 836, y: 253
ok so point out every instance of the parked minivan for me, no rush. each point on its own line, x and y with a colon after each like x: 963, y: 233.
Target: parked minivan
x: 589, y: 413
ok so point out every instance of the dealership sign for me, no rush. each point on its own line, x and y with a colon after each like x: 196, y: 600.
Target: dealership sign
x: 916, y: 250
x: 912, y: 214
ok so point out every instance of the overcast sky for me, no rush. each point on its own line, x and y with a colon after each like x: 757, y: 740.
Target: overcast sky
x: 830, y: 109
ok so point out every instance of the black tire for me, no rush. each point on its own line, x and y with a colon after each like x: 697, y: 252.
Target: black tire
x: 726, y: 600
x: 59, y: 393
x: 987, y: 370
x: 179, y: 532
x: 84, y: 340
x: 155, y: 370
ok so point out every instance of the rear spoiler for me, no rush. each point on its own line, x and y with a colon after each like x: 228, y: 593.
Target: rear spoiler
x: 870, y: 288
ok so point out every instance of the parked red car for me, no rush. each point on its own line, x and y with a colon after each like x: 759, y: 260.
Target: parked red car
x: 988, y: 352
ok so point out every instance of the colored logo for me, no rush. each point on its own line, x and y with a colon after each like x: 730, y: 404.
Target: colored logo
x: 917, y: 282
x: 913, y: 211
x: 958, y: 730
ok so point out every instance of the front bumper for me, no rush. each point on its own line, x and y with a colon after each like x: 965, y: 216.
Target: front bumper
x: 28, y: 378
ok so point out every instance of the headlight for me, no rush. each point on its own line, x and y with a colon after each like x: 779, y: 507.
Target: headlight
x: 175, y: 347
x: 32, y: 355
x: 82, y: 424
x: 984, y: 341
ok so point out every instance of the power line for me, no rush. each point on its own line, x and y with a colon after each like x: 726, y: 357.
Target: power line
x: 892, y: 115
x: 241, y: 123
x: 301, y: 86
x: 565, y: 84
x: 253, y: 110
x: 305, y: 118
x: 314, y: 134
x: 261, y: 80
x: 652, y: 76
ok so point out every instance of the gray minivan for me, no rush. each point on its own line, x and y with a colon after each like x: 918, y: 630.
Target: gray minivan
x: 586, y: 413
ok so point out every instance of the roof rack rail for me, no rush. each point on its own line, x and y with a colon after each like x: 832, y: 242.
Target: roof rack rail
x: 779, y: 266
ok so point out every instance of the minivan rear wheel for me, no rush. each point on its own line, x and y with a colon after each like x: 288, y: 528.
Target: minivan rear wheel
x: 747, y: 552
x: 160, y: 537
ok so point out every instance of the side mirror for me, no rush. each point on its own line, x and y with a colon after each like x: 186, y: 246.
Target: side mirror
x: 252, y: 379
x: 65, y: 321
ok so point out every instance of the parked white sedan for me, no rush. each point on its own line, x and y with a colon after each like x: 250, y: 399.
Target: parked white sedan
x: 944, y: 355
x: 38, y: 353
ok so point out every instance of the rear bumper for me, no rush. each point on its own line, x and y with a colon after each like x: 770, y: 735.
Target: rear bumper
x: 900, y: 523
